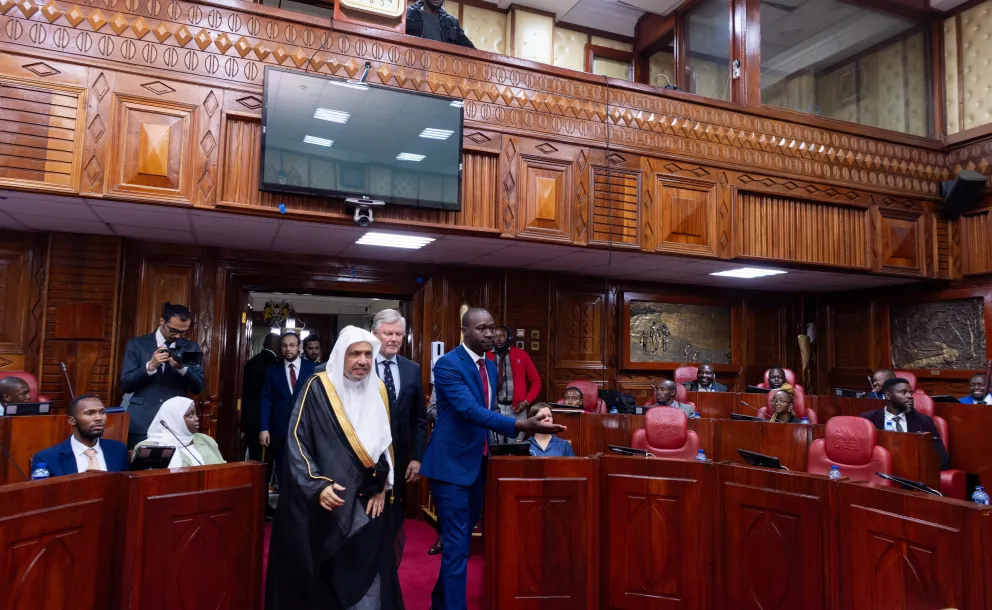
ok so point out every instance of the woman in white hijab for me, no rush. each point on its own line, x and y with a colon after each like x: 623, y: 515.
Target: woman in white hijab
x: 176, y: 425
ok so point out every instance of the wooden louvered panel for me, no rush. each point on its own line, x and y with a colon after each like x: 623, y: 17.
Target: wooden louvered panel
x: 942, y: 248
x: 39, y: 135
x: 615, y: 206
x: 788, y: 229
x: 975, y: 248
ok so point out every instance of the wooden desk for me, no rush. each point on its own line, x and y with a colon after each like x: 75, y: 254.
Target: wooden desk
x: 191, y: 538
x: 832, y: 406
x: 969, y: 428
x: 788, y: 442
x: 56, y: 541
x: 713, y: 405
x: 26, y: 435
x: 913, y: 455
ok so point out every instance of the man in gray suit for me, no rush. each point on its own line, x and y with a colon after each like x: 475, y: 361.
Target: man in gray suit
x: 151, y: 375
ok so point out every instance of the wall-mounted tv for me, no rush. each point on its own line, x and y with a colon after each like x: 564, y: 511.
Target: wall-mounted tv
x: 329, y: 137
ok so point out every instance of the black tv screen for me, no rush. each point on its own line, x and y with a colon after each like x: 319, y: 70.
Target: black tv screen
x: 330, y: 137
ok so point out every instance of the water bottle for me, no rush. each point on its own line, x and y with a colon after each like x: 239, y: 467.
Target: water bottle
x: 804, y: 420
x: 700, y: 456
x: 613, y: 410
x: 980, y: 497
x: 41, y: 472
x: 834, y: 473
x: 888, y: 427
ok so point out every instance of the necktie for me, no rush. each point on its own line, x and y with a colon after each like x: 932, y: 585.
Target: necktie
x: 898, y: 422
x: 292, y: 377
x: 91, y: 454
x: 387, y: 378
x: 484, y: 374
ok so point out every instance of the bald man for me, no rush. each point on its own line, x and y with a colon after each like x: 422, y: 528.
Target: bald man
x: 13, y: 391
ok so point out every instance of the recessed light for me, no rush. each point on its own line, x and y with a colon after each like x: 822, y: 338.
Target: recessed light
x: 334, y: 116
x: 410, y: 157
x: 436, y: 134
x: 394, y: 240
x: 317, y: 141
x: 458, y: 103
x: 749, y: 273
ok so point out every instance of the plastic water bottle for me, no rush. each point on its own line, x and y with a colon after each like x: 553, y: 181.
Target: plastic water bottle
x: 700, y: 456
x: 888, y: 426
x: 804, y: 420
x: 980, y: 496
x: 834, y: 473
x: 41, y: 472
x: 614, y: 410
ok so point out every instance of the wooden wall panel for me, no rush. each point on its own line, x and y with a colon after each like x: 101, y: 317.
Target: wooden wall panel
x: 976, y: 248
x: 81, y: 269
x: 41, y: 143
x: 526, y: 307
x: 901, y: 242
x: 22, y: 278
x: 781, y: 228
x: 161, y: 282
x: 615, y: 207
x: 686, y: 216
x: 545, y: 182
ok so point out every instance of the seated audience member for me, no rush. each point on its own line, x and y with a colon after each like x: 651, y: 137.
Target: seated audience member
x: 547, y: 445
x: 428, y: 19
x: 879, y: 379
x: 705, y: 380
x: 664, y: 396
x: 84, y: 450
x: 979, y: 391
x: 13, y: 391
x: 782, y: 402
x: 898, y: 415
x: 176, y: 425
x: 574, y: 397
x: 776, y: 377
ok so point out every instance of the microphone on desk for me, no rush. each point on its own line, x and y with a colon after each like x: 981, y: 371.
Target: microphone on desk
x: 181, y: 444
x: 13, y: 461
x: 871, y: 384
x: 758, y: 411
x: 65, y: 373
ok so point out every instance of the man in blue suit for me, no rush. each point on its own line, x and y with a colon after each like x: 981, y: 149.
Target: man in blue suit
x: 465, y: 382
x: 150, y: 375
x: 84, y: 450
x: 283, y: 383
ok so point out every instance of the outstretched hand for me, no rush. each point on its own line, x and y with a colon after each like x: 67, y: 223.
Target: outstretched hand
x: 329, y: 499
x: 538, y: 425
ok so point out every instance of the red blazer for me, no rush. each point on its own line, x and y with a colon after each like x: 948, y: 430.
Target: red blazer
x: 526, y: 381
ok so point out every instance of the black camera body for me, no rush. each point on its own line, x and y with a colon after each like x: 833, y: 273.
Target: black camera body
x: 185, y: 358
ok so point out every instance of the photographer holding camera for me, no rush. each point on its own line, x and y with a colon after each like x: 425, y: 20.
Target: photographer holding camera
x: 158, y: 367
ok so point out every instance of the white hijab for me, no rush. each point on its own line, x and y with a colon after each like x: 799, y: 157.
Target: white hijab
x: 362, y: 400
x: 173, y: 413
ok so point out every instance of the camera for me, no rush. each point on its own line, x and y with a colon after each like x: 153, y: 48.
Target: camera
x: 363, y: 210
x: 185, y: 358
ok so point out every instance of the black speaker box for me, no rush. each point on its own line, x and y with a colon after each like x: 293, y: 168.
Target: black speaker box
x: 962, y: 194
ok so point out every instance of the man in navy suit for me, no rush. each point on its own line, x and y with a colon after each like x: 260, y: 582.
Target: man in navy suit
x: 465, y: 382
x: 283, y: 383
x: 84, y: 450
x: 150, y: 376
x: 407, y: 407
x: 705, y: 380
x: 899, y: 415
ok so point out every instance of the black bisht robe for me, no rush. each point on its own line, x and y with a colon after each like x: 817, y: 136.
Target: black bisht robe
x: 339, y: 559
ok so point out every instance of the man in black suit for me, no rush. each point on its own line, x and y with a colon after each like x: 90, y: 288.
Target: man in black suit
x: 898, y: 415
x: 151, y: 376
x: 407, y: 409
x: 251, y: 393
x: 878, y: 380
x: 312, y: 349
x: 283, y: 383
x: 705, y: 380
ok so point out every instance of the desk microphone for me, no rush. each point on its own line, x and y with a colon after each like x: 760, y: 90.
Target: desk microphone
x: 871, y: 385
x: 758, y: 411
x: 181, y: 444
x: 13, y: 461
x: 65, y: 373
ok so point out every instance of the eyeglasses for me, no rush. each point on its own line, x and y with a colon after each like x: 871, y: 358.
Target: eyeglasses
x: 173, y: 331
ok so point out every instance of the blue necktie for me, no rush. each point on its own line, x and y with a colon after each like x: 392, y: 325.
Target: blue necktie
x: 387, y: 377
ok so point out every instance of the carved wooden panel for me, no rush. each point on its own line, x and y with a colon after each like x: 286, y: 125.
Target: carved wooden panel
x: 579, y: 330
x: 615, y: 206
x: 686, y: 216
x: 976, y: 249
x: 781, y: 228
x: 152, y: 155
x: 851, y: 327
x: 902, y: 242
x: 938, y: 335
x: 15, y: 271
x: 162, y: 282
x: 41, y: 142
x: 545, y: 199
x: 767, y: 336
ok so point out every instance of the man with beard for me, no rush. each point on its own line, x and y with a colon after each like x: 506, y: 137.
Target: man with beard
x: 517, y: 381
x: 428, y: 19
x: 283, y: 383
x: 84, y: 450
x: 312, y: 348
x: 336, y: 539
x: 899, y: 415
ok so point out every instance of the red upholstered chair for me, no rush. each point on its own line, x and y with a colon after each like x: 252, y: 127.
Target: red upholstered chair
x: 590, y: 395
x: 666, y: 434
x: 685, y: 374
x: 798, y: 405
x: 790, y: 378
x: 911, y: 378
x: 952, y: 482
x: 30, y: 379
x: 850, y: 445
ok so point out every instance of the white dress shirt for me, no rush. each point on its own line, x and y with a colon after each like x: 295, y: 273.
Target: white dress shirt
x: 159, y: 342
x: 890, y: 419
x: 83, y: 460
x: 475, y: 358
x: 395, y: 368
x: 296, y: 367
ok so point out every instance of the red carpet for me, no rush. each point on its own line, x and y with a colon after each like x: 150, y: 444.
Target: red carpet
x: 418, y: 572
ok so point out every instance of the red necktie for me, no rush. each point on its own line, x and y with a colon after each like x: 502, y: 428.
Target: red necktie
x: 484, y: 374
x: 292, y: 377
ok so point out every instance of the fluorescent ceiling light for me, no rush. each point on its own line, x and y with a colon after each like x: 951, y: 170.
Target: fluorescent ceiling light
x: 317, y: 141
x: 394, y: 240
x: 749, y: 273
x: 334, y: 116
x: 458, y: 103
x: 344, y: 83
x: 410, y: 157
x: 436, y: 134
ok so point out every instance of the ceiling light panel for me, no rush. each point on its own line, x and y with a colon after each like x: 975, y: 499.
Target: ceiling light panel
x: 394, y: 240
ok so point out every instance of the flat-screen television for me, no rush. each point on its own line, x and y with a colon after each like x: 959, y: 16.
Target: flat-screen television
x: 329, y: 137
